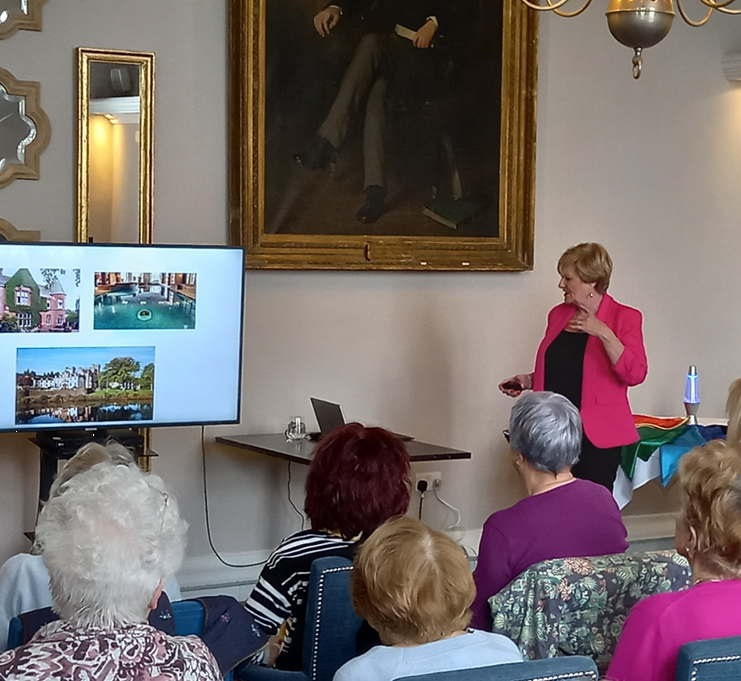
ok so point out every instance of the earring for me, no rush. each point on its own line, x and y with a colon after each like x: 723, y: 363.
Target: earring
x: 591, y: 294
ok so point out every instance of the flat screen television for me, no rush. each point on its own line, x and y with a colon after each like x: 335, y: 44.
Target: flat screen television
x: 112, y: 336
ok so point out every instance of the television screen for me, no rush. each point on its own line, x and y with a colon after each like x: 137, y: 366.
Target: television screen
x: 119, y: 336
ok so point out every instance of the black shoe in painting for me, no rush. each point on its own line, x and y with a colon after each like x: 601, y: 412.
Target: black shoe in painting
x: 374, y: 207
x: 318, y: 155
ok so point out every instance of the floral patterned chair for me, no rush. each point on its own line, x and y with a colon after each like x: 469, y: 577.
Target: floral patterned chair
x: 577, y: 606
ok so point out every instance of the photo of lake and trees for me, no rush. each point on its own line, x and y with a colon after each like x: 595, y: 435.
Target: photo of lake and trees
x: 80, y: 384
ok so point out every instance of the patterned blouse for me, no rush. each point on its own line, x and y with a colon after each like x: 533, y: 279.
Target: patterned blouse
x: 136, y: 652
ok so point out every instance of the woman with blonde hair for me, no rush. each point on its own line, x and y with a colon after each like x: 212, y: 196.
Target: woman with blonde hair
x: 733, y: 409
x: 591, y: 353
x: 708, y: 533
x: 414, y: 587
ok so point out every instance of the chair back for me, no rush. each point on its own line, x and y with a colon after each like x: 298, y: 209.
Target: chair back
x: 330, y: 636
x: 575, y: 668
x: 330, y: 631
x: 188, y: 615
x: 711, y: 660
x: 576, y: 606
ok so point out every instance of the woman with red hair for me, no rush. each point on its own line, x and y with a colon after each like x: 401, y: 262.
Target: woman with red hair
x: 358, y: 478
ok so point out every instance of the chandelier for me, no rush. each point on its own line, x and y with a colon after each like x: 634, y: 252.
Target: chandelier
x: 639, y: 23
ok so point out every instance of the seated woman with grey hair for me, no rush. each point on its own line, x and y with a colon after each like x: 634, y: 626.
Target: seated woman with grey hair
x: 24, y: 580
x: 109, y: 541
x: 561, y: 517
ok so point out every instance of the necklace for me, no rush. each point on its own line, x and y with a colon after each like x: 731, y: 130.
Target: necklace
x: 706, y: 580
x: 556, y: 483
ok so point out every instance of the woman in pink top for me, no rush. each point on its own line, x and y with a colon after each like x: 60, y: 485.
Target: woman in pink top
x: 591, y: 352
x: 708, y: 533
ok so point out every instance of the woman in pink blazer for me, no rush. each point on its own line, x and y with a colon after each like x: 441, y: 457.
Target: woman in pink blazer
x: 591, y: 352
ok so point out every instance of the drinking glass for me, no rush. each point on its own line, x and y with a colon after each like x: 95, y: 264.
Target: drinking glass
x: 296, y: 429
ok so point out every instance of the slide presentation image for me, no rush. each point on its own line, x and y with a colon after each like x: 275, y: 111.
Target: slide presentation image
x: 145, y: 300
x: 39, y: 300
x: 74, y: 385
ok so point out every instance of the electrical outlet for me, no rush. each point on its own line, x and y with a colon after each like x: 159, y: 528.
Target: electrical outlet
x: 433, y: 480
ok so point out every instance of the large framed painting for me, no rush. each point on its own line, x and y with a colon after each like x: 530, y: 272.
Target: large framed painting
x: 383, y: 134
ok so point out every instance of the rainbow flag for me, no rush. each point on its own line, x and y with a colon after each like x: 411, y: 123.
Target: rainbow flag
x: 672, y: 436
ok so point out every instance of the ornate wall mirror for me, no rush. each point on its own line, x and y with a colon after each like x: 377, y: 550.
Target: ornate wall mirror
x: 19, y: 14
x: 24, y: 129
x: 115, y: 146
x: 9, y: 233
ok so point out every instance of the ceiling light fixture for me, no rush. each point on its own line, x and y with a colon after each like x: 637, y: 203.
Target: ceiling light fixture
x: 639, y: 24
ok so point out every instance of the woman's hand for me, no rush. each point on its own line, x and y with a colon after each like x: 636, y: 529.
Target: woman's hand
x: 586, y: 322
x: 423, y: 38
x: 514, y: 386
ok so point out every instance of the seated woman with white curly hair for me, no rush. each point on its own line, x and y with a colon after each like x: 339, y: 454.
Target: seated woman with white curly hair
x: 24, y: 580
x: 561, y: 517
x: 109, y: 543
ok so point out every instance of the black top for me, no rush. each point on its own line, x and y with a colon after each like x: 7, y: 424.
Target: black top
x: 564, y: 365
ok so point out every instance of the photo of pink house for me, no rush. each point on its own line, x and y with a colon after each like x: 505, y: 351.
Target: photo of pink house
x: 29, y: 306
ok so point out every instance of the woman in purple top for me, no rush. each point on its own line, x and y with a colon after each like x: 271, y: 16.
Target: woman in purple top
x: 708, y: 533
x: 562, y: 517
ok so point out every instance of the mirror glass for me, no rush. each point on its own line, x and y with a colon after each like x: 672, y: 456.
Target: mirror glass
x: 17, y: 130
x: 19, y: 14
x: 9, y: 8
x: 115, y: 128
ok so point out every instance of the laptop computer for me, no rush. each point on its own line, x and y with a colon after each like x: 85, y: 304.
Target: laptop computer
x: 329, y: 417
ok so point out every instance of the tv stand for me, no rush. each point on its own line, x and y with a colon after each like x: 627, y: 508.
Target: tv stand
x: 60, y: 445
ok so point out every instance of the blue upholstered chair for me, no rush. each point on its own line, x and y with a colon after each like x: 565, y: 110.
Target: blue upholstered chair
x: 573, y: 668
x: 715, y: 659
x: 331, y: 627
x: 188, y: 616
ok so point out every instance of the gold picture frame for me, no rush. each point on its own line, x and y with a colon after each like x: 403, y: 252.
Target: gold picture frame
x: 508, y: 243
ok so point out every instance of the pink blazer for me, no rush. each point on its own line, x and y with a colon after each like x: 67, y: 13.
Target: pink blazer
x: 605, y: 411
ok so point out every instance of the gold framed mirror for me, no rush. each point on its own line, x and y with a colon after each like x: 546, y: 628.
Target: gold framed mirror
x: 115, y: 146
x: 19, y: 14
x: 24, y: 129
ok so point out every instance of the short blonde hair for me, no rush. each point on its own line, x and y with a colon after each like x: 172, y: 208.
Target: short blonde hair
x: 412, y: 583
x: 711, y: 486
x: 591, y: 263
x: 733, y: 409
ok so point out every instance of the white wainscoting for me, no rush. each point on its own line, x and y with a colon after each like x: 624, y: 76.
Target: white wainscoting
x: 206, y: 575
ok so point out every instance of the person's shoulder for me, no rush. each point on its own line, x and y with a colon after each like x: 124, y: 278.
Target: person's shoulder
x: 23, y: 562
x: 490, y: 639
x: 508, y: 522
x: 191, y: 644
x: 306, y: 538
x: 624, y: 310
x: 560, y: 311
x: 191, y: 649
x: 369, y: 664
x: 661, y: 605
x: 300, y: 547
x: 592, y: 490
x: 23, y: 568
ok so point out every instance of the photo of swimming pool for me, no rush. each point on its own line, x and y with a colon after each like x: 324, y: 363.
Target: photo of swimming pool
x: 144, y: 301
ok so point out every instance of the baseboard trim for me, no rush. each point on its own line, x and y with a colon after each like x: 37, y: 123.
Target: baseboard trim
x: 653, y: 526
x: 206, y: 574
x: 201, y: 574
